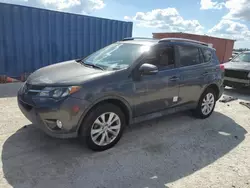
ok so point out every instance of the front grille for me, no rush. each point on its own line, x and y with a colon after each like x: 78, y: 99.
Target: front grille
x: 236, y: 74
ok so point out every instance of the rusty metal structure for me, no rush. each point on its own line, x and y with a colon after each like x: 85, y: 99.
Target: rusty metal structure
x: 224, y: 47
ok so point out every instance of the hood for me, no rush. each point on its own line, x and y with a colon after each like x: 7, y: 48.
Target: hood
x: 237, y: 66
x: 65, y: 73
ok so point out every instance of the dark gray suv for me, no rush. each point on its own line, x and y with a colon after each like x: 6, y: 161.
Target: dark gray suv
x: 124, y: 83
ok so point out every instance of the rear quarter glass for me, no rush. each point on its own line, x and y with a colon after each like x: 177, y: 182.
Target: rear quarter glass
x: 215, y: 58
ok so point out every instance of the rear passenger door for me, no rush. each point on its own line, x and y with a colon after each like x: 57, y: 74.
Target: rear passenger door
x: 195, y: 66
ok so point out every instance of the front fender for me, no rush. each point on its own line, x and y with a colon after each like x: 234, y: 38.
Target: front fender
x: 103, y: 99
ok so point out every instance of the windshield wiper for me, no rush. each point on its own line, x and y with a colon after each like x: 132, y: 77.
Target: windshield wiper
x: 93, y: 66
x: 90, y: 65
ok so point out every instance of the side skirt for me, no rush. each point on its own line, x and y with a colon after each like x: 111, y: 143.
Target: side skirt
x: 163, y: 113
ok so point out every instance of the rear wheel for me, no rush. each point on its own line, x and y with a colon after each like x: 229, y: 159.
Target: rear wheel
x: 103, y: 127
x: 206, y: 104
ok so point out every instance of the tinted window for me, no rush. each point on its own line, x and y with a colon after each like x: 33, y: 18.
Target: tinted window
x: 207, y: 55
x: 189, y: 55
x: 162, y: 57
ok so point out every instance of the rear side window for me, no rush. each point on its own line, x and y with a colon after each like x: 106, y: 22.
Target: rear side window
x: 207, y: 55
x: 189, y: 55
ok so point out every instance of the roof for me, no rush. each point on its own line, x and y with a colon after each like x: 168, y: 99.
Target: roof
x: 150, y: 41
x: 191, y: 34
x: 140, y: 40
x: 183, y: 40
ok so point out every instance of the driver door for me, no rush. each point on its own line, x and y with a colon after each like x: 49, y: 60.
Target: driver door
x: 157, y: 92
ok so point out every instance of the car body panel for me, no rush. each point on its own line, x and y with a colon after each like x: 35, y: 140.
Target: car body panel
x: 61, y: 110
x: 64, y: 73
x: 195, y: 79
x: 237, y: 72
x: 155, y: 92
x: 144, y: 96
x: 243, y: 81
x: 237, y: 66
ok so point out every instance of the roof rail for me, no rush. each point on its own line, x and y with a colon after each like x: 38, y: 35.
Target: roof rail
x: 139, y: 38
x: 182, y: 40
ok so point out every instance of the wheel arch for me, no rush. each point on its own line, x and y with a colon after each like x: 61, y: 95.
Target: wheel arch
x: 118, y: 101
x: 215, y: 87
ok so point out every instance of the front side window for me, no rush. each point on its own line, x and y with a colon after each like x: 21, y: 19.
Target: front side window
x: 162, y: 57
x: 116, y: 56
x: 189, y: 55
x: 244, y: 57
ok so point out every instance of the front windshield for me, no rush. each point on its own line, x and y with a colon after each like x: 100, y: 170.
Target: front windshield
x: 244, y: 57
x: 116, y: 56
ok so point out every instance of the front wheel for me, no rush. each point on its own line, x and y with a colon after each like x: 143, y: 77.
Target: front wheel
x: 206, y: 104
x: 103, y: 127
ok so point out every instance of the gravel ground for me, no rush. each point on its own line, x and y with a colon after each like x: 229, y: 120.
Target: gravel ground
x: 175, y: 151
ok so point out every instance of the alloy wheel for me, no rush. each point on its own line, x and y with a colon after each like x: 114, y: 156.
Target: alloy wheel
x: 105, y: 128
x: 207, y: 104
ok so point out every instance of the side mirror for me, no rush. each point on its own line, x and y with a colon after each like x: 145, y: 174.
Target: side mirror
x: 230, y: 58
x: 148, y: 69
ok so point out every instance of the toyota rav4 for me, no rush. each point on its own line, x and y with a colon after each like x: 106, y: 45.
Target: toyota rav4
x: 127, y: 82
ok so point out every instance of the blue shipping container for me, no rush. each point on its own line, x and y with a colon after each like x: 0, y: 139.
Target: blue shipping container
x: 31, y: 38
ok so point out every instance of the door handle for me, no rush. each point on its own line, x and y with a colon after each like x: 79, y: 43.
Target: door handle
x: 174, y: 78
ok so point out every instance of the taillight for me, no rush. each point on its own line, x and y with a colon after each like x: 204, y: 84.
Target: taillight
x: 222, y: 67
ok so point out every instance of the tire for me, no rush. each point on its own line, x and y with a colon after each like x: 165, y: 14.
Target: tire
x: 93, y: 122
x: 198, y: 112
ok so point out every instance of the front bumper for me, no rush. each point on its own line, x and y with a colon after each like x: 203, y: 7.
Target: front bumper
x: 236, y: 82
x: 44, y: 117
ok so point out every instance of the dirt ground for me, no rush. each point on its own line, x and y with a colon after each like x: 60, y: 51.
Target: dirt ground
x: 175, y: 151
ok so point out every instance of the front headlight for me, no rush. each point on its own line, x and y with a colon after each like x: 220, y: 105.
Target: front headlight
x: 58, y: 92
